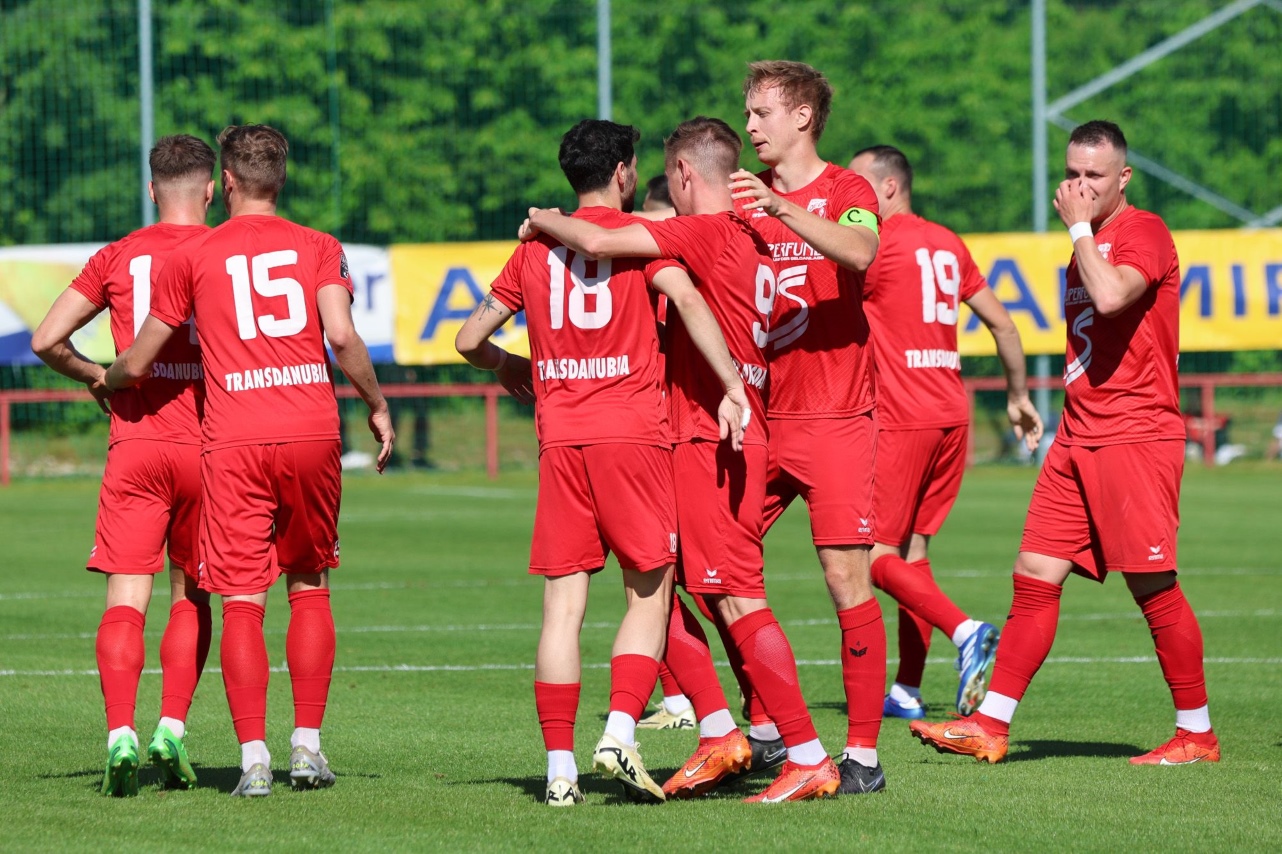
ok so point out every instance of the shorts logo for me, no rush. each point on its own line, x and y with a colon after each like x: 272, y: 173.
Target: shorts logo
x: 336, y: 549
x: 672, y: 542
x: 858, y: 651
x: 711, y: 576
x: 864, y: 526
x: 93, y: 551
x: 1156, y: 553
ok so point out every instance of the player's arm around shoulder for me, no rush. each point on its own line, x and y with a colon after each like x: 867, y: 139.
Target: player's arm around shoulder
x: 850, y: 241
x: 587, y: 238
x: 334, y: 303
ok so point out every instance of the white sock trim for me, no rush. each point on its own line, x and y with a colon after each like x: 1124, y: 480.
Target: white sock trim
x: 717, y: 724
x: 676, y: 704
x: 1194, y: 720
x: 964, y: 630
x: 905, y: 695
x: 254, y: 753
x: 177, y: 727
x: 998, y: 706
x: 561, y: 764
x: 809, y: 753
x: 865, y: 756
x: 306, y: 737
x: 764, y: 732
x: 118, y: 732
x: 622, y: 726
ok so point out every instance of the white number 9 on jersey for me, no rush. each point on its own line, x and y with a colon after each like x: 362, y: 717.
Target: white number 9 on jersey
x: 940, y: 275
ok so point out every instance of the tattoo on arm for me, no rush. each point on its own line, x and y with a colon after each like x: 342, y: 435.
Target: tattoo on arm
x: 487, y: 305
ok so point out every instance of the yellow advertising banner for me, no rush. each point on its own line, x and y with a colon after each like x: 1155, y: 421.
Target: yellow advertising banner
x: 1231, y: 292
x: 438, y: 285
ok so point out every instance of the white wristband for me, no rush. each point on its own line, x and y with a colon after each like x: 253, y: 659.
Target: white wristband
x: 502, y: 360
x: 1078, y: 230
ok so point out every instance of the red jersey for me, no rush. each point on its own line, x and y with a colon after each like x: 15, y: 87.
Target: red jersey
x: 1120, y: 382
x: 819, y: 353
x: 594, y: 350
x: 730, y: 265
x: 119, y: 278
x: 912, y: 293
x: 252, y: 285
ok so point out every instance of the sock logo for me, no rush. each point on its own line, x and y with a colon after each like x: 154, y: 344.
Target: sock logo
x: 859, y: 652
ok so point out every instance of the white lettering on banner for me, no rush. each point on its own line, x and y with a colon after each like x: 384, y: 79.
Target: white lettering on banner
x: 255, y: 378
x: 933, y: 359
x: 595, y: 368
x: 177, y: 371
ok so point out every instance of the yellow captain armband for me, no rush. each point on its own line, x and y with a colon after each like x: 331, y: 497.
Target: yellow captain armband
x: 859, y: 216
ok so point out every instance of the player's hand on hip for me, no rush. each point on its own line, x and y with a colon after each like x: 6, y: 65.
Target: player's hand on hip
x: 380, y: 424
x: 517, y: 376
x: 1074, y: 201
x: 1025, y: 421
x: 101, y: 394
x: 753, y: 192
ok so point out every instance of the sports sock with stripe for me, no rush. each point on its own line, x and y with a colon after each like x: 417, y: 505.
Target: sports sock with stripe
x: 863, y: 672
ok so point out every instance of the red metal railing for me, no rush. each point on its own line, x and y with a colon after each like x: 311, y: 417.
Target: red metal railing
x: 490, y: 391
x: 1205, y: 383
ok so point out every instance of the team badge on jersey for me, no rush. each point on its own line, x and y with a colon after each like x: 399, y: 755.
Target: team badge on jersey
x: 342, y: 265
x: 818, y: 207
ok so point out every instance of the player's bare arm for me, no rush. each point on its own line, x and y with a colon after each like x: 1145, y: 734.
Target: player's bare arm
x: 1112, y: 289
x: 734, y: 411
x: 850, y: 242
x: 586, y: 238
x: 1020, y: 411
x: 334, y: 303
x: 473, y: 344
x: 134, y: 365
x: 52, y: 343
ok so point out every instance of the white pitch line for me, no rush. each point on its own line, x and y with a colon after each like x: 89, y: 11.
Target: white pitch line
x: 604, y: 665
x: 608, y: 624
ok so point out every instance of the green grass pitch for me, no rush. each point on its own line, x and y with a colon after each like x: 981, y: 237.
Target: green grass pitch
x: 431, y: 724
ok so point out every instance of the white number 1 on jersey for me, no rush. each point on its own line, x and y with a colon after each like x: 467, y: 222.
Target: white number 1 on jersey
x: 238, y: 267
x: 140, y: 272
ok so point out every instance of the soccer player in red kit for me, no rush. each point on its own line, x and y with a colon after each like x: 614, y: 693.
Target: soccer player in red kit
x: 266, y: 294
x: 1107, y: 497
x: 821, y: 224
x: 722, y: 491
x: 605, y: 447
x: 912, y: 294
x: 150, y: 496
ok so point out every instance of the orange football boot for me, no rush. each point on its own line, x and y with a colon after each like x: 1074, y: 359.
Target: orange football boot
x: 1185, y: 749
x: 713, y: 761
x: 964, y: 736
x: 800, y: 783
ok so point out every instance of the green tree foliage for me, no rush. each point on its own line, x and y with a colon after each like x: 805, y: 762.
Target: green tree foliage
x: 437, y: 121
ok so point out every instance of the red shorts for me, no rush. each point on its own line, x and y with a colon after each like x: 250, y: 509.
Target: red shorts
x: 719, y: 517
x: 594, y: 499
x: 829, y: 463
x: 268, y: 509
x: 150, y: 497
x: 918, y: 476
x: 1114, y: 508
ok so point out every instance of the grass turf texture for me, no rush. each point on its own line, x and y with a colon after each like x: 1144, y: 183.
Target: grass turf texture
x: 431, y: 725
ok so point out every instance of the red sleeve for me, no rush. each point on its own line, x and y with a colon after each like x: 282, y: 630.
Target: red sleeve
x: 507, y: 287
x: 854, y: 192
x: 91, y: 281
x: 681, y: 238
x: 332, y: 266
x: 972, y: 281
x: 171, y: 295
x: 1146, y: 246
x: 652, y: 269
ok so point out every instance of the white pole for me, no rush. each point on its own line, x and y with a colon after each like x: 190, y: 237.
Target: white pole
x: 604, y: 97
x: 1041, y: 202
x: 146, y: 106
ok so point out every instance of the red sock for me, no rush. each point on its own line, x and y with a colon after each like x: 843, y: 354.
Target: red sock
x: 1178, y: 640
x: 863, y: 670
x: 914, y: 644
x: 668, y: 681
x: 1026, y: 637
x: 245, y: 674
x: 183, y: 651
x: 557, y: 705
x: 631, y: 681
x: 690, y: 661
x: 309, y: 650
x: 753, y: 708
x: 772, y: 669
x: 121, y: 654
x: 913, y: 586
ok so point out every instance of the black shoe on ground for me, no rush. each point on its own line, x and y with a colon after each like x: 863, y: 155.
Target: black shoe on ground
x: 859, y: 779
x: 765, y: 755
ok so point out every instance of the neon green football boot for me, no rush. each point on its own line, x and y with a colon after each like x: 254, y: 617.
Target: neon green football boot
x: 170, y: 757
x: 121, y: 777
